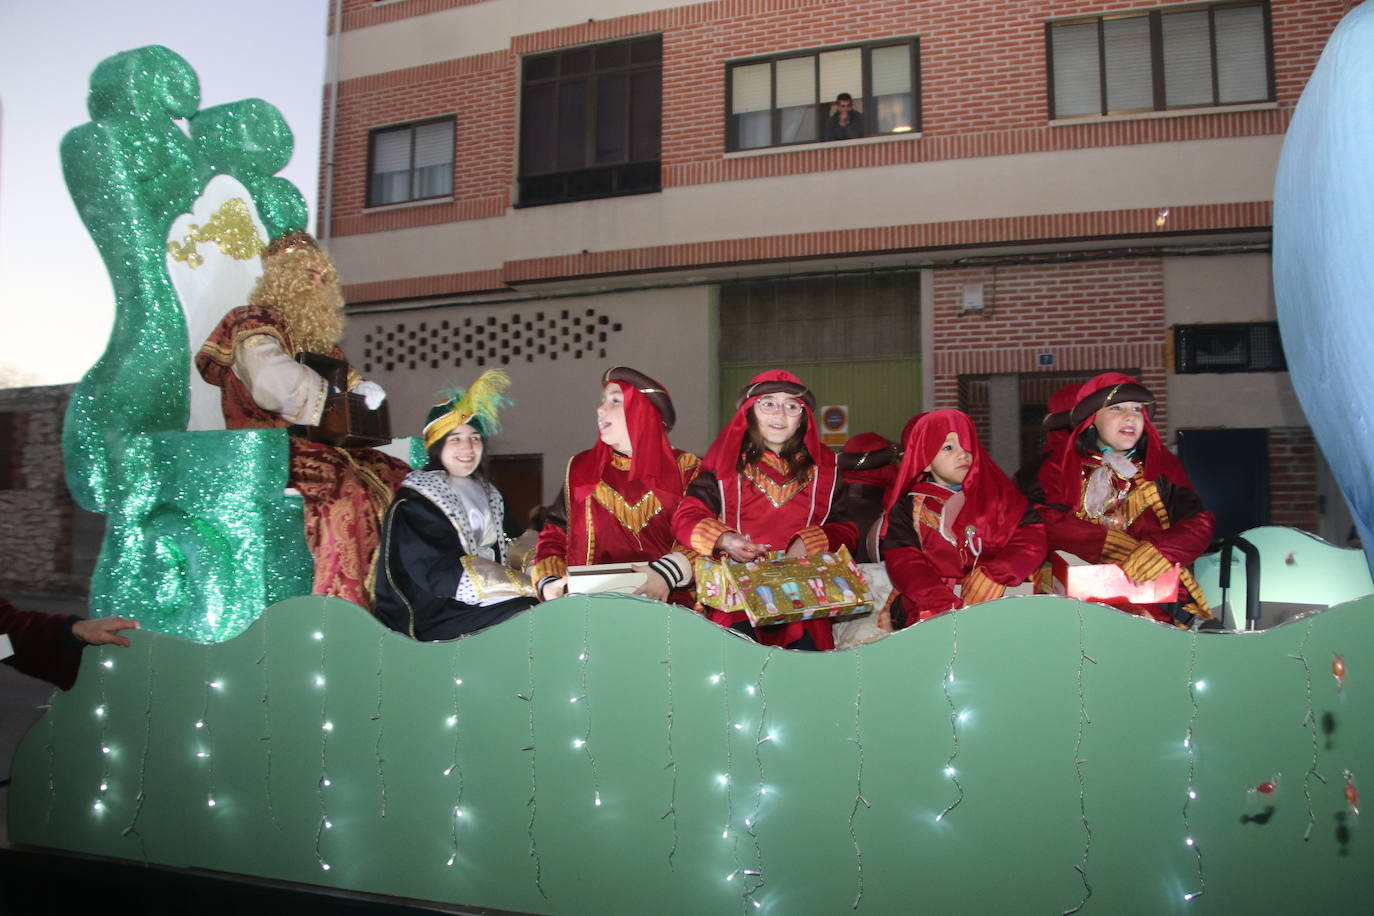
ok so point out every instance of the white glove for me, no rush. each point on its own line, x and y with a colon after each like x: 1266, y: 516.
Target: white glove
x: 372, y: 393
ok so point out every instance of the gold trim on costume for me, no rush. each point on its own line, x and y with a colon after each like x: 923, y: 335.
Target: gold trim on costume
x: 620, y: 462
x: 779, y: 494
x: 633, y: 517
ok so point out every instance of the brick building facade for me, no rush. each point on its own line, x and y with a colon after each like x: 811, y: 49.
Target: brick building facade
x: 50, y: 542
x: 1056, y: 187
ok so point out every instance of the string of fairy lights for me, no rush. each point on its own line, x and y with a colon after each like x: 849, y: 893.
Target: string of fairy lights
x: 954, y: 716
x: 204, y: 734
x: 326, y: 726
x: 584, y: 743
x: 141, y: 794
x: 1309, y: 722
x: 377, y: 748
x: 753, y: 878
x: 1190, y: 747
x: 858, y: 775
x: 667, y: 662
x: 266, y: 701
x: 1084, y: 720
x: 455, y: 769
x: 528, y: 697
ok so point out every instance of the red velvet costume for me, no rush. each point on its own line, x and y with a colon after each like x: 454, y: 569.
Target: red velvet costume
x: 764, y: 504
x: 345, y: 490
x: 993, y: 539
x: 44, y: 646
x: 615, y: 508
x: 1148, y: 522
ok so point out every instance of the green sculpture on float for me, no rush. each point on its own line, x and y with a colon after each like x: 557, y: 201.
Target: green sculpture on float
x: 199, y: 536
x: 612, y: 755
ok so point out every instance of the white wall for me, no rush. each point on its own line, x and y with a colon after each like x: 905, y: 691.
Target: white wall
x: 1073, y: 181
x: 666, y: 333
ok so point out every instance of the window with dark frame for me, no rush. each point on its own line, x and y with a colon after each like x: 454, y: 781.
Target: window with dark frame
x: 1196, y: 56
x: 410, y: 162
x: 786, y: 99
x: 1246, y: 347
x: 590, y: 121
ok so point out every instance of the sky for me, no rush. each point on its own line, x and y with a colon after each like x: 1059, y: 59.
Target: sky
x: 56, y: 305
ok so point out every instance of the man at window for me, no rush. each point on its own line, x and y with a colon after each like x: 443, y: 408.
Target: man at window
x: 845, y: 123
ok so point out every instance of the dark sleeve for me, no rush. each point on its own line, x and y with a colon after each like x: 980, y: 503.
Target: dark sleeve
x: 696, y: 521
x: 509, y: 525
x: 419, y: 568
x: 912, y: 574
x: 839, y: 526
x: 43, y: 644
x: 1021, y: 555
x: 1191, y: 526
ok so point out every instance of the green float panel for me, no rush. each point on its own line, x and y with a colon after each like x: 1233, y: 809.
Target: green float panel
x: 609, y: 754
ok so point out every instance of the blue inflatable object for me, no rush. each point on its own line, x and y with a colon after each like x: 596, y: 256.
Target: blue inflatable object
x: 1323, y: 266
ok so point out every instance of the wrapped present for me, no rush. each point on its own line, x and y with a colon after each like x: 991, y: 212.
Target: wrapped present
x: 603, y: 577
x: 779, y: 589
x: 1107, y: 582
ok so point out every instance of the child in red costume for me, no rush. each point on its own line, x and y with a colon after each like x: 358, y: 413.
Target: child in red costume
x: 1115, y: 494
x: 956, y: 520
x: 618, y: 497
x: 768, y: 483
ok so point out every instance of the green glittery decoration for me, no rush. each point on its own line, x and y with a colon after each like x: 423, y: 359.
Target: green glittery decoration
x: 200, y: 536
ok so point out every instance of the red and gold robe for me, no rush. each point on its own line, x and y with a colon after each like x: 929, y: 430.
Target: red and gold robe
x: 346, y: 491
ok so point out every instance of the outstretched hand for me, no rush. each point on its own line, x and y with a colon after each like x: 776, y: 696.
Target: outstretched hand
x: 103, y: 631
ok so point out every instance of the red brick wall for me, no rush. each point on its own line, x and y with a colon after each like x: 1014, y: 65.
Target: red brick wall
x: 1092, y: 316
x: 1293, y: 478
x: 982, y: 71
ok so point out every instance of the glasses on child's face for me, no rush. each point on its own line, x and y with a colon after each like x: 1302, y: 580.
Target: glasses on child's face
x: 769, y: 405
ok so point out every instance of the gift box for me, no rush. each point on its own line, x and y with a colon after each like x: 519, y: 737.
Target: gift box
x: 779, y: 589
x: 602, y: 578
x: 1107, y: 582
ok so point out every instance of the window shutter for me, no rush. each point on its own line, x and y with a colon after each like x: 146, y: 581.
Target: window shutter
x: 751, y: 88
x: 1187, y: 59
x: 1076, y: 69
x: 434, y: 144
x: 391, y: 152
x: 1242, y: 65
x: 842, y: 71
x: 796, y: 82
x: 891, y: 70
x: 1130, y: 73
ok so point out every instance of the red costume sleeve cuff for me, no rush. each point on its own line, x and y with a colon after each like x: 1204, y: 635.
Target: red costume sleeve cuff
x: 705, y: 535
x: 557, y: 567
x: 814, y: 539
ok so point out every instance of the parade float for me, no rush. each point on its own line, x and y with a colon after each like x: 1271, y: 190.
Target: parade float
x: 609, y: 754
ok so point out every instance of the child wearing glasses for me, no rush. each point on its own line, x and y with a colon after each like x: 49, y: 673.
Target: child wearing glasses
x: 767, y: 483
x: 954, y: 519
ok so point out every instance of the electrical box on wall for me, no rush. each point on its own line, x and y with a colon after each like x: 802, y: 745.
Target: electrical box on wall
x: 973, y: 297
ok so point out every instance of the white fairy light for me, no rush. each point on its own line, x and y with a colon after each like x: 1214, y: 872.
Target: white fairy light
x: 319, y: 680
x: 452, y: 721
x: 328, y: 726
x: 100, y: 712
x: 319, y: 635
x: 210, y: 802
x: 216, y: 685
x: 108, y: 663
x: 200, y: 723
